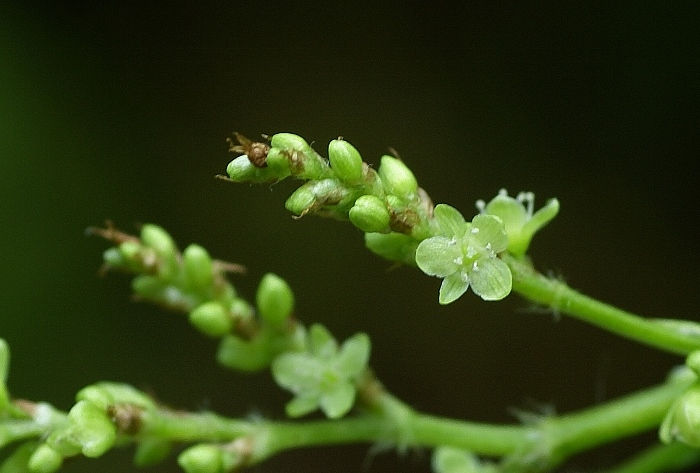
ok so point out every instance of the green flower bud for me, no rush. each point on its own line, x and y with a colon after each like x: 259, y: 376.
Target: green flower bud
x: 304, y: 161
x: 398, y: 180
x: 244, y: 355
x: 93, y: 430
x: 240, y: 169
x: 682, y: 422
x: 289, y: 142
x: 150, y: 451
x: 346, y: 161
x: 161, y: 242
x: 45, y: 460
x: 275, y: 300
x: 313, y: 195
x: 201, y: 458
x: 211, y: 318
x: 106, y: 394
x: 455, y: 460
x: 393, y: 246
x: 370, y: 214
x: 198, y: 267
x: 278, y: 163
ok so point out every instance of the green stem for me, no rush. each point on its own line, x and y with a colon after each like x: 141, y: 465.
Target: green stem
x: 549, y: 442
x: 557, y: 295
x: 672, y: 457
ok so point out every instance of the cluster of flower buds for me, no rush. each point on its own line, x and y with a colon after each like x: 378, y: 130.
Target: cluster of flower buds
x: 343, y: 186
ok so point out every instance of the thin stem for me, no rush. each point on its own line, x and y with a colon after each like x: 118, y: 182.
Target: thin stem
x: 671, y: 457
x: 557, y: 295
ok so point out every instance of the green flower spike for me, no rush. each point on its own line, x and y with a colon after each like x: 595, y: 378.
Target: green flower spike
x: 323, y: 377
x: 517, y: 214
x: 465, y: 254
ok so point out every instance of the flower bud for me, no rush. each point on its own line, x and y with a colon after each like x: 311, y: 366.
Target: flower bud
x: 314, y: 195
x: 202, y: 458
x: 304, y: 161
x: 682, y: 422
x: 278, y: 163
x: 274, y: 299
x: 244, y: 355
x: 397, y: 178
x: 211, y: 318
x: 45, y: 460
x: 393, y: 246
x: 105, y: 394
x: 198, y: 267
x: 93, y: 430
x: 162, y: 243
x: 346, y: 161
x: 370, y: 214
x: 240, y: 169
x: 289, y: 142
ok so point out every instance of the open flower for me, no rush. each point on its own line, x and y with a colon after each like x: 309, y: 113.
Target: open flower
x: 465, y: 254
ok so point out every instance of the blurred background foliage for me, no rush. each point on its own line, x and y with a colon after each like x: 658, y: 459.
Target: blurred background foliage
x: 120, y: 110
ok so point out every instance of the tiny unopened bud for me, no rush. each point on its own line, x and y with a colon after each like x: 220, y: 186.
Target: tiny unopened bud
x: 201, y: 458
x: 275, y: 300
x: 198, y: 267
x: 397, y: 178
x: 45, y: 460
x: 278, y: 163
x: 313, y: 195
x: 240, y: 169
x: 161, y: 242
x: 211, y: 318
x: 682, y: 422
x: 346, y: 161
x: 370, y: 214
x: 393, y: 246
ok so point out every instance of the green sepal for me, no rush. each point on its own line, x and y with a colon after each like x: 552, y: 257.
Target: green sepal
x: 520, y: 222
x: 370, y: 214
x: 397, y: 247
x: 241, y: 169
x: 211, y: 318
x: 345, y: 161
x: 45, y: 460
x: 397, y: 178
x: 274, y: 299
x: 150, y: 451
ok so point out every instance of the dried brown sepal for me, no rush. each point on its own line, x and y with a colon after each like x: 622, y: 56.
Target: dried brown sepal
x: 255, y: 150
x: 111, y: 233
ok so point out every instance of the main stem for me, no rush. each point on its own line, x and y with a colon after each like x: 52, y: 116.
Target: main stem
x: 557, y: 295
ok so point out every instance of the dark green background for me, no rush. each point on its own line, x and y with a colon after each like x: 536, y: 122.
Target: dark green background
x: 120, y: 110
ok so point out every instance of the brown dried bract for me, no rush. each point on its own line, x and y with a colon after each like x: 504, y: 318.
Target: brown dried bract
x: 255, y: 150
x: 126, y: 417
